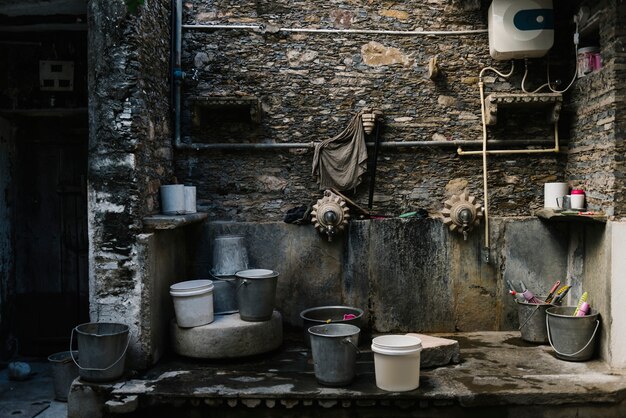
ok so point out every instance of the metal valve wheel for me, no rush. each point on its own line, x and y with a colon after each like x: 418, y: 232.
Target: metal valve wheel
x: 330, y: 214
x: 461, y: 213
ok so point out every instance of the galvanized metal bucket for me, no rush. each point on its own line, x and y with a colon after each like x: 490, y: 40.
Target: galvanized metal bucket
x: 532, y: 320
x: 334, y: 350
x: 256, y: 294
x: 229, y: 255
x: 225, y: 295
x: 573, y: 338
x: 320, y: 315
x: 102, y: 347
x: 64, y: 371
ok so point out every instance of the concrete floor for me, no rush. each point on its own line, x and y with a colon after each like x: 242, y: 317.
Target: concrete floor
x: 30, y: 398
x: 499, y: 375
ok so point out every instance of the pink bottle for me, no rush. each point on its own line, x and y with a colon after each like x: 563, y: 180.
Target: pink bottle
x: 577, y: 199
x: 584, y: 309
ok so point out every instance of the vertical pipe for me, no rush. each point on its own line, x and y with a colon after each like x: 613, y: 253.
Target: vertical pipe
x: 481, y: 87
x: 176, y: 70
x: 374, y: 164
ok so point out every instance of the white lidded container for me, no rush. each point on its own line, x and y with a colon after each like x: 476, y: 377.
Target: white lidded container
x: 173, y: 199
x: 193, y: 302
x: 190, y: 199
x: 397, y: 362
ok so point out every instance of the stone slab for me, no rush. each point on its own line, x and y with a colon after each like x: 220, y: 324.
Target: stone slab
x: 173, y: 221
x: 228, y: 336
x: 437, y: 351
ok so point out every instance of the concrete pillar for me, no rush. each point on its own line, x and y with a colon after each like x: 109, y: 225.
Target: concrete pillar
x: 617, y: 325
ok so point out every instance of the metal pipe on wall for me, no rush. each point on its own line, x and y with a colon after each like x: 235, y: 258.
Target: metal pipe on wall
x: 261, y: 28
x: 393, y: 144
x: 177, y: 6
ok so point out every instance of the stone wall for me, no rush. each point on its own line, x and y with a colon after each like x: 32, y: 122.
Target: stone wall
x: 619, y: 62
x: 595, y: 158
x: 309, y: 85
x: 129, y: 154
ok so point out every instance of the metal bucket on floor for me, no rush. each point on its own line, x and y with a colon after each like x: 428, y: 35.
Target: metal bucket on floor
x: 256, y: 293
x: 64, y: 371
x: 229, y: 255
x: 532, y: 320
x: 334, y: 350
x: 573, y: 338
x: 320, y: 315
x: 102, y: 347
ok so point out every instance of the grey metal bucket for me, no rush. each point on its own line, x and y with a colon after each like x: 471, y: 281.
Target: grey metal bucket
x: 320, y: 315
x: 334, y: 350
x: 229, y: 255
x: 102, y: 347
x: 573, y: 338
x: 64, y: 371
x: 532, y: 320
x: 256, y: 294
x: 224, y: 295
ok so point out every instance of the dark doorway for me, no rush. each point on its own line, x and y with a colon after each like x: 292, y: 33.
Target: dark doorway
x: 51, y: 258
x: 43, y: 98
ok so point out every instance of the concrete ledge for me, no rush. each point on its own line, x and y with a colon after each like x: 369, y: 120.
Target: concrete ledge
x: 228, y: 337
x: 500, y: 376
x: 172, y: 221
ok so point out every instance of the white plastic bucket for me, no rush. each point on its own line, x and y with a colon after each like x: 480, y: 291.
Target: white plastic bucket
x: 552, y: 192
x: 193, y: 302
x: 173, y: 199
x: 190, y: 199
x: 397, y: 362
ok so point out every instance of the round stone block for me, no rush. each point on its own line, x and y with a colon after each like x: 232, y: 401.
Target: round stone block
x: 228, y: 337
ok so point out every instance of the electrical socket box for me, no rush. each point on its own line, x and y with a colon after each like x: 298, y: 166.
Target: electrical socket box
x: 520, y: 28
x: 56, y: 75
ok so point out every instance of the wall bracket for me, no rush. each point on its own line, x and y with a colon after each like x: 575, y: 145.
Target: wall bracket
x: 552, y: 102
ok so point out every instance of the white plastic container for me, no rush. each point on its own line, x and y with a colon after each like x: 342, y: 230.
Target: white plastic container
x: 588, y: 60
x: 193, y: 302
x: 173, y: 199
x: 552, y: 192
x: 190, y: 199
x: 397, y: 362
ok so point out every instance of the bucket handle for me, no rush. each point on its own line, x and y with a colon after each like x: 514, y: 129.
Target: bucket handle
x: 579, y: 351
x: 96, y: 369
x: 529, y: 316
x: 219, y: 279
x: 348, y: 340
x: 243, y: 282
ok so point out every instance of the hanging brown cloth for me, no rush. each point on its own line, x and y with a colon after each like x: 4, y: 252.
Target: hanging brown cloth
x: 340, y: 161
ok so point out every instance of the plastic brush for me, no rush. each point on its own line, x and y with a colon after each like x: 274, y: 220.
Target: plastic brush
x: 582, y: 299
x: 530, y: 297
x: 552, y: 290
x: 560, y: 294
x: 511, y: 287
x: 517, y: 296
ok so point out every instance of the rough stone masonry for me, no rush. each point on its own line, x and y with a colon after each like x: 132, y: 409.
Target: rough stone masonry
x: 309, y: 85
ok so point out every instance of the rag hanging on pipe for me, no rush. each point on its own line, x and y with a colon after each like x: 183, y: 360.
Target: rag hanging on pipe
x: 340, y: 161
